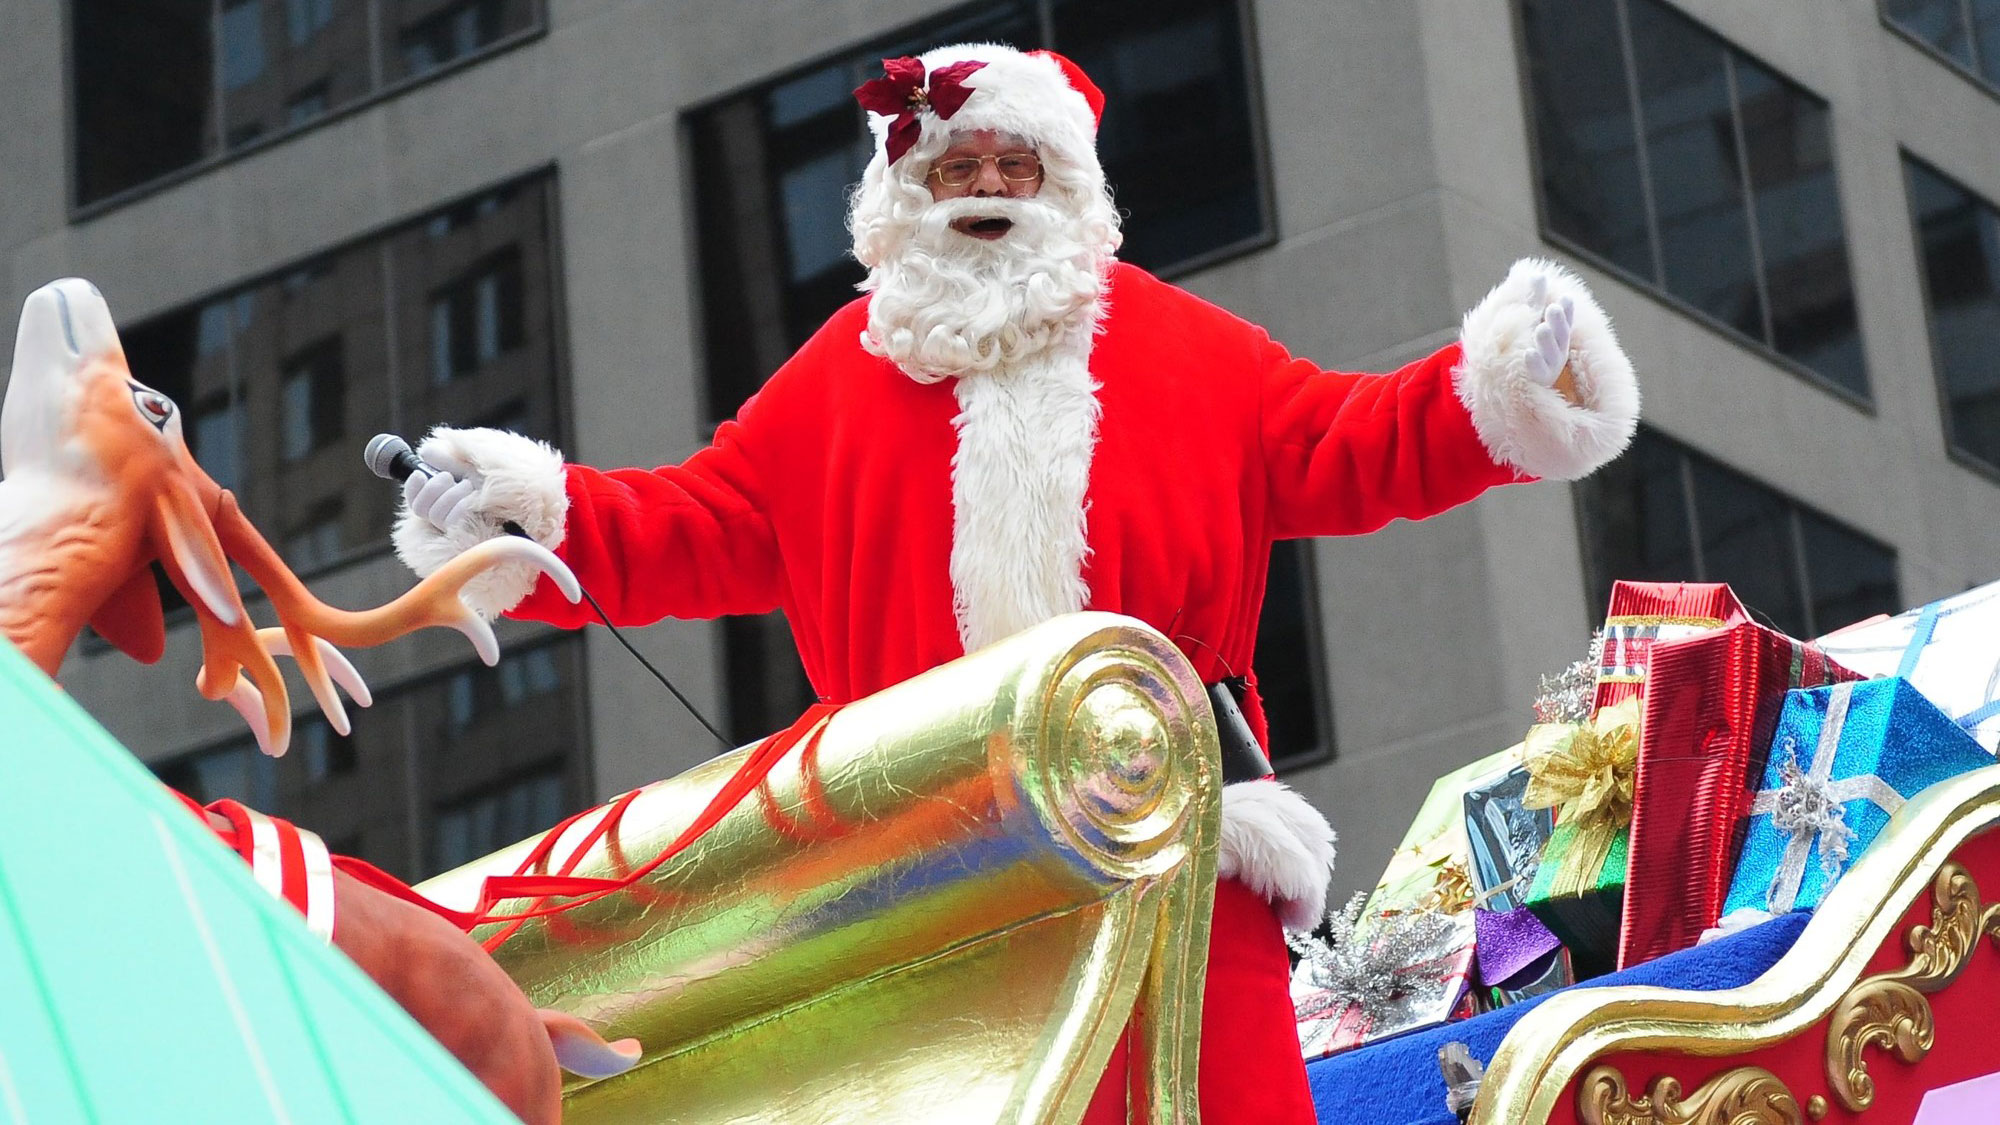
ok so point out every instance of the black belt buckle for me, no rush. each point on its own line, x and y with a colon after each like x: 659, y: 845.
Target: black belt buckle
x: 1242, y: 758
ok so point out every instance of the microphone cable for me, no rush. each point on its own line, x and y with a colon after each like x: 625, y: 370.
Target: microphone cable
x: 512, y: 528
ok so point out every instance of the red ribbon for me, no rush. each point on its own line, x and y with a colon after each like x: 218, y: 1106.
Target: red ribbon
x: 531, y: 879
x: 900, y: 93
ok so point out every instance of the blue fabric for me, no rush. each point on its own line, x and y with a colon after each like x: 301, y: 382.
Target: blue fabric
x: 1397, y: 1082
x: 1891, y: 732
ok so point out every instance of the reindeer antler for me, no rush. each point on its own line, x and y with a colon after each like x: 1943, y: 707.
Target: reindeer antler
x: 100, y: 483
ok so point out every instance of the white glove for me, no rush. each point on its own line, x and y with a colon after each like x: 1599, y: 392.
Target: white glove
x: 449, y: 493
x: 1550, y: 353
x: 481, y: 480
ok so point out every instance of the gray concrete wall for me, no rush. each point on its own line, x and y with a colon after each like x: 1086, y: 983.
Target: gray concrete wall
x: 1398, y: 137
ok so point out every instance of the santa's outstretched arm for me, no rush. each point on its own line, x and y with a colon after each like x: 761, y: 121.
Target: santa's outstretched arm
x: 684, y: 540
x: 1536, y: 387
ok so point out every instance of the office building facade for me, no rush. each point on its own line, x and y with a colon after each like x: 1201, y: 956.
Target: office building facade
x: 604, y: 222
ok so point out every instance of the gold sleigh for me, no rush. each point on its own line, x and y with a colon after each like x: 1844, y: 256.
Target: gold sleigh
x: 950, y: 910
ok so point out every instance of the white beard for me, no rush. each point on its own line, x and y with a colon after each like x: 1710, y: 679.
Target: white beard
x: 1013, y: 320
x: 947, y: 304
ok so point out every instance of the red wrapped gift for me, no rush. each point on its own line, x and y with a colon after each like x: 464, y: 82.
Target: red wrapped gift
x: 1644, y: 614
x: 1711, y: 708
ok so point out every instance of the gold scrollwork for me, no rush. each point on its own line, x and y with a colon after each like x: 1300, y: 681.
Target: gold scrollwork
x: 1746, y: 1095
x: 1889, y: 1010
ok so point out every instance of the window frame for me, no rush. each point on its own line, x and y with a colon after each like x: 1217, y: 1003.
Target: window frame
x: 560, y: 402
x: 81, y: 212
x: 1647, y: 286
x: 1985, y: 85
x: 1795, y: 508
x: 1987, y: 470
x: 292, y: 794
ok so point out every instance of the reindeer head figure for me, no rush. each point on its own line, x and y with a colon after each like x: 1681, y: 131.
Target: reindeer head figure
x: 99, y: 484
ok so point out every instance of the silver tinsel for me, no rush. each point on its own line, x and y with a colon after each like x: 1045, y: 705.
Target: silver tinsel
x: 1566, y: 697
x: 1396, y: 955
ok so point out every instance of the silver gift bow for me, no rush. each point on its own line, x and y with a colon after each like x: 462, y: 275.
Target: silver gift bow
x: 1809, y: 805
x: 1369, y: 968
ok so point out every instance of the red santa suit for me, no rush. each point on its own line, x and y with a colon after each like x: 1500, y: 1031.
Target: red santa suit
x: 1146, y: 470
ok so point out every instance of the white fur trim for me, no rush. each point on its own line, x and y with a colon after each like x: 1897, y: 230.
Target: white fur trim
x: 1025, y: 438
x: 1529, y: 426
x: 521, y: 480
x: 1275, y: 843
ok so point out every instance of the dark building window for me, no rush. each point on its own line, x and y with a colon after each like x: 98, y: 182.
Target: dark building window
x: 1289, y: 676
x: 1690, y: 167
x: 1663, y: 512
x: 313, y: 406
x: 162, y: 85
x: 430, y: 33
x: 773, y: 164
x: 409, y: 796
x: 287, y: 377
x: 767, y: 685
x: 1967, y: 32
x: 1958, y: 235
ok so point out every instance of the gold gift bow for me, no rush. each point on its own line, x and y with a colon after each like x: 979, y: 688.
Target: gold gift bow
x: 1585, y: 773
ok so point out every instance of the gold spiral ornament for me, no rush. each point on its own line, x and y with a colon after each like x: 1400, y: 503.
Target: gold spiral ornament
x: 1889, y: 1010
x: 1103, y: 767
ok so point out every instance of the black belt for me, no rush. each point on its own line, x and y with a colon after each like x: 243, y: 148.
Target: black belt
x: 1242, y: 758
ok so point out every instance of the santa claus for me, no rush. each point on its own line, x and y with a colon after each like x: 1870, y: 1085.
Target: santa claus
x: 1013, y: 424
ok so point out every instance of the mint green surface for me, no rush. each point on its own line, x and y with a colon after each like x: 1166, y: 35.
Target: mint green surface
x: 144, y: 977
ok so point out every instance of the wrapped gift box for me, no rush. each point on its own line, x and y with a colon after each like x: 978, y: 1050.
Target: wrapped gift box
x: 1950, y: 651
x: 1645, y: 614
x: 1516, y: 957
x: 1428, y: 876
x: 1844, y: 759
x: 1586, y: 918
x: 1711, y: 707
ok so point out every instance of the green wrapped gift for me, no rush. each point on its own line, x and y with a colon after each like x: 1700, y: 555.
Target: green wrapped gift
x: 1584, y: 771
x: 1431, y: 868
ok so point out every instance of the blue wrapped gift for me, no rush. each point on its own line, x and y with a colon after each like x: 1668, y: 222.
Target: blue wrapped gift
x: 1844, y: 759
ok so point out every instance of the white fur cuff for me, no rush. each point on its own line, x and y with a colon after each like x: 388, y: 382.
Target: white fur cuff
x: 521, y: 480
x: 1275, y: 843
x: 1529, y: 426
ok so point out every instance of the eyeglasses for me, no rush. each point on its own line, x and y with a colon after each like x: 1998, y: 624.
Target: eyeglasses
x: 959, y: 171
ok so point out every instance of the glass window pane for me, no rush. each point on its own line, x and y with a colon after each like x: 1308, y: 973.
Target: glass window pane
x: 478, y: 336
x: 1746, y: 541
x: 1635, y: 519
x: 1852, y: 576
x: 422, y: 35
x: 490, y: 821
x: 1960, y: 238
x: 144, y: 100
x: 1986, y: 37
x: 1790, y: 148
x: 1176, y: 97
x: 1696, y: 178
x: 1288, y: 660
x: 1941, y: 23
x: 1585, y: 144
x: 287, y: 62
x: 242, y: 37
x: 767, y: 684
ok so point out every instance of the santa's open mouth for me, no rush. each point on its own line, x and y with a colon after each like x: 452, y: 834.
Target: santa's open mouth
x: 985, y: 227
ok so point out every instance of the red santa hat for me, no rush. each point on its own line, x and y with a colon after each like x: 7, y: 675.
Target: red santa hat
x: 1039, y: 96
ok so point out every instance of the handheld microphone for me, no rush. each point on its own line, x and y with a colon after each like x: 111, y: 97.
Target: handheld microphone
x: 391, y: 458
